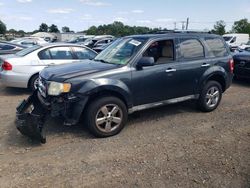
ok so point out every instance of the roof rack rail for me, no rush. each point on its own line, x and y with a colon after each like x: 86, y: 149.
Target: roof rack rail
x: 178, y: 31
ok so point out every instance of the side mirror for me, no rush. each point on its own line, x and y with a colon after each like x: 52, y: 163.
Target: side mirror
x: 146, y: 62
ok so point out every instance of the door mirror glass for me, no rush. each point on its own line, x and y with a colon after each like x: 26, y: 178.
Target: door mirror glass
x: 146, y: 61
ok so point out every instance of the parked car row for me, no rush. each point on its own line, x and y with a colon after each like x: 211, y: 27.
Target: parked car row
x: 97, y: 43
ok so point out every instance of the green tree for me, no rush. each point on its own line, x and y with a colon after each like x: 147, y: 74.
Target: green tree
x: 53, y: 29
x: 219, y: 28
x: 2, y: 28
x: 241, y: 26
x: 43, y: 27
x: 21, y: 33
x: 65, y: 29
x: 118, y: 29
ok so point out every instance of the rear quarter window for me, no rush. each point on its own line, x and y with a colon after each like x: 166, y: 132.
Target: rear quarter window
x: 216, y: 47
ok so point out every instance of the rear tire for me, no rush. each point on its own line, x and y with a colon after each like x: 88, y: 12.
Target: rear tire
x: 210, y: 96
x: 33, y: 82
x: 106, y: 116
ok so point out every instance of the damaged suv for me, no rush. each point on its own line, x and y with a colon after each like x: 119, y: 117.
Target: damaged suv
x: 134, y: 73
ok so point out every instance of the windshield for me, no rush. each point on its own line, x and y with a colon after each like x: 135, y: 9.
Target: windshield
x: 227, y: 38
x: 121, y: 51
x: 26, y: 51
x: 248, y: 43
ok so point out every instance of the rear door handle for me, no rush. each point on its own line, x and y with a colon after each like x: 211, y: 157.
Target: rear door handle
x: 205, y: 65
x: 170, y: 70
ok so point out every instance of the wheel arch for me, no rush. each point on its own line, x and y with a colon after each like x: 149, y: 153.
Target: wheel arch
x: 30, y: 78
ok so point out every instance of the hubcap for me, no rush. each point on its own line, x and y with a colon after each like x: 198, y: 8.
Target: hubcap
x: 212, y: 97
x: 108, y: 118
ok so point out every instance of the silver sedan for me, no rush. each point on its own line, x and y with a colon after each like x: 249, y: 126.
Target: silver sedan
x: 22, y: 69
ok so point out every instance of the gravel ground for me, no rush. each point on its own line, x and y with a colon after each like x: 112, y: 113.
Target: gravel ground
x: 172, y: 146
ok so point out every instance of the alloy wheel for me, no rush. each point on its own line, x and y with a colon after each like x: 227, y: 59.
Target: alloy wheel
x: 109, y: 118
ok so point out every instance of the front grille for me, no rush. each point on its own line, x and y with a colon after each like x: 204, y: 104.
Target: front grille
x: 42, y: 86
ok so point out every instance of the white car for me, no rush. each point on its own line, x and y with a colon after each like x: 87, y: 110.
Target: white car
x: 22, y: 69
x: 244, y: 46
x: 30, y: 41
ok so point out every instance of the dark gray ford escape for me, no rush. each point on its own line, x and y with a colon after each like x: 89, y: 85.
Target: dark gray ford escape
x: 132, y: 74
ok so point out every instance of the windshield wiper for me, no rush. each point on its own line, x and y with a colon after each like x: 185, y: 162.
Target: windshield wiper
x: 102, y: 60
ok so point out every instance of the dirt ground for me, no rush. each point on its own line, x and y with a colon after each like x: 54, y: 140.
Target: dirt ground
x: 172, y: 146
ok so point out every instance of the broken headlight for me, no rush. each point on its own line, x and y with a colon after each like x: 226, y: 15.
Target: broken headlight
x: 56, y: 88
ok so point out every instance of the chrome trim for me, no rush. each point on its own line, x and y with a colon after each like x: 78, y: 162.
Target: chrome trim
x: 205, y: 65
x: 170, y: 70
x: 161, y: 103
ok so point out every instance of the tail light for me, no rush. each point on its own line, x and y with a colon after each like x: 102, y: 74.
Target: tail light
x: 231, y: 65
x: 6, y: 66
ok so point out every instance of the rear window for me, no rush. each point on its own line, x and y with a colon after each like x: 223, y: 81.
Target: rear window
x: 27, y: 51
x: 6, y: 47
x: 216, y: 47
x: 191, y: 49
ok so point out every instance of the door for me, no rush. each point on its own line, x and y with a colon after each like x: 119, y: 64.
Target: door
x: 193, y: 64
x: 158, y: 82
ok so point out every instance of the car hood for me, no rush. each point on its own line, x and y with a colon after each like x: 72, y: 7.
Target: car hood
x: 60, y: 73
x: 242, y: 55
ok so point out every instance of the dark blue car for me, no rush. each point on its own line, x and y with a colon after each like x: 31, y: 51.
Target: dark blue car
x: 242, y: 64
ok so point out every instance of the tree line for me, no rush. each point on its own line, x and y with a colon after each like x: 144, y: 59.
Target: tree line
x: 119, y: 29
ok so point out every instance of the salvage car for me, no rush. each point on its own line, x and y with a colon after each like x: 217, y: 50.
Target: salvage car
x: 22, y: 69
x: 242, y: 64
x: 132, y: 74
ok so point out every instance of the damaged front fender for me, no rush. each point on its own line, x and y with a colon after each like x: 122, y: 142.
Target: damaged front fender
x: 30, y: 118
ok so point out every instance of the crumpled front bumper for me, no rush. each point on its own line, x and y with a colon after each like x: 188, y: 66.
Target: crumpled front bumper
x: 32, y: 112
x: 30, y: 118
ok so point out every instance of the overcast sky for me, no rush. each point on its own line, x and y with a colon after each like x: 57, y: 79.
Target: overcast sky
x: 81, y: 14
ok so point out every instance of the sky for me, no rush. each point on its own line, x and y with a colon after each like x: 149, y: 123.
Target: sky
x: 79, y: 15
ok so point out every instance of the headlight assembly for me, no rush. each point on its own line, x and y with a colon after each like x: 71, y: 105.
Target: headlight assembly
x: 56, y: 88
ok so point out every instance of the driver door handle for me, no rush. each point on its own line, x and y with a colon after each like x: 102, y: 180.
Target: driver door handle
x: 205, y: 65
x: 170, y: 70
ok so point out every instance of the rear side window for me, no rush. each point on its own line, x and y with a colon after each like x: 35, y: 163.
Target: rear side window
x: 59, y: 53
x: 191, y: 49
x: 216, y: 47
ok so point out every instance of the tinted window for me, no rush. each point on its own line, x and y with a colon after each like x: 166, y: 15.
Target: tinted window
x: 6, y: 47
x: 216, y: 47
x: 56, y: 53
x: 191, y: 49
x: 45, y: 54
x: 84, y: 53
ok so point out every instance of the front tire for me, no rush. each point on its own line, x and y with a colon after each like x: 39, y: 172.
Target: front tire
x: 33, y: 82
x: 106, y: 116
x: 210, y: 96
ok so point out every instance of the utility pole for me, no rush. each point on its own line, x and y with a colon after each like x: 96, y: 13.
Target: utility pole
x: 183, y: 24
x: 187, y: 23
x: 175, y: 26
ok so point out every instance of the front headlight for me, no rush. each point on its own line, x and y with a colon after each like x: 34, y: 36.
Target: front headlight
x: 56, y: 88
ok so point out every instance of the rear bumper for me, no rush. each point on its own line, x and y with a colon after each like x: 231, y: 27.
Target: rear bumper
x: 11, y: 79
